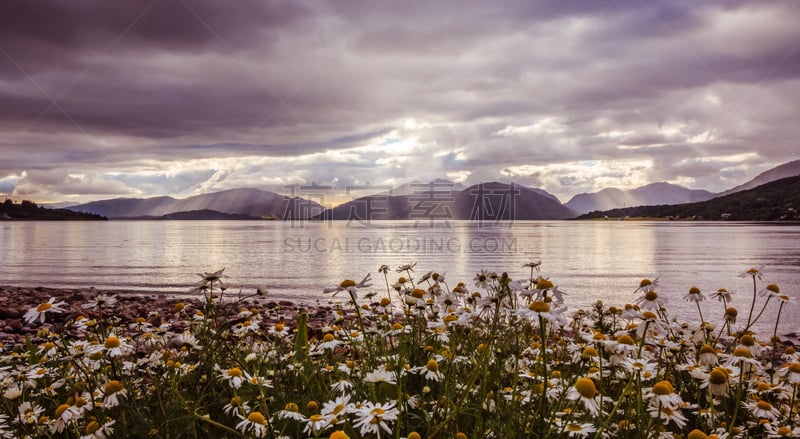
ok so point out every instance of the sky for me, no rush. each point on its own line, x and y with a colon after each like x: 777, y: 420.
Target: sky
x: 104, y: 99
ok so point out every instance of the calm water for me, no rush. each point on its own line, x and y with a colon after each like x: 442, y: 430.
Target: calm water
x: 589, y: 260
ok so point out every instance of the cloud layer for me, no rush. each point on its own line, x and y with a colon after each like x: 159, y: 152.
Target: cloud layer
x: 177, y: 97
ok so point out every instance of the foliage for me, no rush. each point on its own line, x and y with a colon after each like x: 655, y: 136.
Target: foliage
x: 505, y: 359
x: 28, y: 210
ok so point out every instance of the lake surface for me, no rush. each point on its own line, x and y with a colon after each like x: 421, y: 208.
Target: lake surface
x: 590, y: 260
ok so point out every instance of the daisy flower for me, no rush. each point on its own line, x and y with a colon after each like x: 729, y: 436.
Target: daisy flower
x: 236, y: 406
x: 95, y: 430
x: 695, y: 295
x: 771, y: 290
x: 481, y: 278
x: 668, y: 414
x: 647, y: 285
x: 100, y: 301
x: 329, y: 342
x: 574, y: 429
x: 782, y: 431
x: 430, y: 371
x: 763, y: 410
x: 650, y: 301
x: 116, y: 347
x: 254, y: 424
x: 721, y: 295
x: 707, y: 356
x: 28, y: 413
x: 372, y: 418
x: 290, y: 411
x: 39, y: 312
x: 791, y: 372
x: 317, y: 423
x: 754, y: 272
x: 380, y: 375
x: 112, y: 391
x: 234, y: 376
x: 349, y: 285
x: 342, y: 386
x: 663, y: 394
x: 585, y: 391
x: 336, y: 407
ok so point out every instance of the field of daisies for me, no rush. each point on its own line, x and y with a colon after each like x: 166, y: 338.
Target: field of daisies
x: 423, y: 357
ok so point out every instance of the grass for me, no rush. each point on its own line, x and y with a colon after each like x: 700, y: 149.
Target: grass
x: 497, y: 358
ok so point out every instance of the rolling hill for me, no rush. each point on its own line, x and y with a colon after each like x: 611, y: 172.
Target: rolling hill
x: 483, y: 202
x: 651, y: 194
x: 245, y: 201
x: 774, y: 201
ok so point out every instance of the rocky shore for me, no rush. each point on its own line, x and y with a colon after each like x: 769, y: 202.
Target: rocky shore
x: 155, y: 307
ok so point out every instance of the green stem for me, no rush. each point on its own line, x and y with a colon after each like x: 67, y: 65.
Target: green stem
x: 753, y: 304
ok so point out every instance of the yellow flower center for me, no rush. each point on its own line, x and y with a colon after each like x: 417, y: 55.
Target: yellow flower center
x: 645, y: 283
x: 763, y: 387
x: 694, y: 290
x: 663, y: 388
x: 649, y: 315
x: 414, y: 435
x: 585, y: 387
x: 347, y: 283
x: 794, y: 367
x: 625, y: 339
x: 328, y: 338
x: 256, y: 418
x: 92, y: 427
x: 731, y: 312
x: 784, y: 431
x: 279, y: 327
x: 113, y: 386
x: 539, y: 307
x: 377, y: 414
x: 718, y: 376
x: 764, y: 405
x: 385, y: 302
x: 432, y: 365
x: 112, y: 342
x: 748, y: 340
x: 291, y: 407
x: 339, y: 434
x: 316, y: 418
x: 589, y: 352
x: 741, y: 352
x: 44, y: 307
x: 418, y: 293
x: 651, y: 296
x: 312, y: 406
x: 235, y: 372
x: 697, y: 434
x: 61, y: 409
x: 707, y: 349
x: 236, y: 401
x: 774, y: 288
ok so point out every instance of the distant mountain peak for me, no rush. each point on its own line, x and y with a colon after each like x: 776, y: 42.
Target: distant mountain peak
x: 650, y: 194
x: 788, y: 169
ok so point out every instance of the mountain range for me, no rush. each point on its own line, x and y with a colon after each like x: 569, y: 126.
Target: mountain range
x: 655, y: 193
x: 774, y: 201
x: 438, y: 199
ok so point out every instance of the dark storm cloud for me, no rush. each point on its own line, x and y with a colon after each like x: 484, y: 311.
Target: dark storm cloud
x: 139, y: 93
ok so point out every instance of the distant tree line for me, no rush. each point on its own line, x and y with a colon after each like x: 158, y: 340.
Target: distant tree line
x: 28, y: 210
